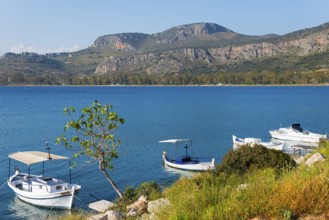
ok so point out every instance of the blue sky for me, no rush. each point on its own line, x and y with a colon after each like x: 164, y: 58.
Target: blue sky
x: 67, y: 25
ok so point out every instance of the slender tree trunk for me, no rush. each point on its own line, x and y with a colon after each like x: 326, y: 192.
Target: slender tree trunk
x: 117, y: 190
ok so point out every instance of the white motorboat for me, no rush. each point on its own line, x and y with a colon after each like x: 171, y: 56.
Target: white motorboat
x: 186, y: 162
x: 238, y: 142
x: 41, y: 190
x: 296, y: 133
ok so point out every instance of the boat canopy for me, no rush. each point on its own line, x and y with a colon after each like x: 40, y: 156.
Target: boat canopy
x: 174, y: 141
x: 32, y: 157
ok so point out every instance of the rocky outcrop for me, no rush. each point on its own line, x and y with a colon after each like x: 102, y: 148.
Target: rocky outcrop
x: 184, y: 32
x: 109, y: 215
x: 140, y: 206
x: 172, y: 61
x: 133, y: 41
x: 315, y: 158
x: 160, y: 63
x: 124, y: 41
x: 101, y: 206
x: 156, y: 205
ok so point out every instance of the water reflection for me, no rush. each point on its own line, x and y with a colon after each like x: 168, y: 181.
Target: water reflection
x: 180, y: 173
x: 22, y: 210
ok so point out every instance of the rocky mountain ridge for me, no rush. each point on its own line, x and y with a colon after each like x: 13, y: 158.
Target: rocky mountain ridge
x: 179, y: 59
x: 196, y: 49
x: 134, y: 41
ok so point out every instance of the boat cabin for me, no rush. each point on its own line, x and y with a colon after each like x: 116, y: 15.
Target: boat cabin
x: 297, y: 127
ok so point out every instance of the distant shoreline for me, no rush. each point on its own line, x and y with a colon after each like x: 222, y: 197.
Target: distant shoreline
x: 221, y: 85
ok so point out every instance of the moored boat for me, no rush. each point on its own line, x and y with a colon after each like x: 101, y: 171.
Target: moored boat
x: 41, y: 190
x: 296, y: 133
x: 238, y: 142
x: 186, y: 162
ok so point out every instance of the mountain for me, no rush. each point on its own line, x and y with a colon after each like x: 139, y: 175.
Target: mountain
x: 192, y: 49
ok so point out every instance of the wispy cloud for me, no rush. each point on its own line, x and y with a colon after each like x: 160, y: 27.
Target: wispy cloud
x: 24, y: 48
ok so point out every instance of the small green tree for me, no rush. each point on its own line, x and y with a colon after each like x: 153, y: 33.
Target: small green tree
x: 94, y: 136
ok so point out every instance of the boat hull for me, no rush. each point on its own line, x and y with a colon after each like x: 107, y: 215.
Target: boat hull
x: 59, y: 200
x: 238, y: 142
x: 311, y: 138
x: 201, y: 166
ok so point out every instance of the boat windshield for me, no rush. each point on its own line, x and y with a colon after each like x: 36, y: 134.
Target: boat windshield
x: 297, y: 127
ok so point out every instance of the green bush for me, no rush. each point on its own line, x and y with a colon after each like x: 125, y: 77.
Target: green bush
x: 151, y: 190
x: 251, y: 158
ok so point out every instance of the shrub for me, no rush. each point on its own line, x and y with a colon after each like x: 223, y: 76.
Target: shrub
x: 250, y: 158
x: 151, y: 190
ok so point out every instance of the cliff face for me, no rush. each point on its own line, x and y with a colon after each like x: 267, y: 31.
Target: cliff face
x: 125, y: 41
x: 175, y: 60
x: 184, y: 32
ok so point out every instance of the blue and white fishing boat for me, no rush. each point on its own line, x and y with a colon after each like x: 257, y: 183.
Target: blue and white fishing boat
x: 186, y: 162
x: 41, y: 190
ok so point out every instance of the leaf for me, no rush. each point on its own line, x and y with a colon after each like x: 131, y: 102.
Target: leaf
x: 121, y: 120
x: 69, y: 110
x: 75, y: 139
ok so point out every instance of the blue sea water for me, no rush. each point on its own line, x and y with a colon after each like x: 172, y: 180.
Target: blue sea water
x: 30, y: 116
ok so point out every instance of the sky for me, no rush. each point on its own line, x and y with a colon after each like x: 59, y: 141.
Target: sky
x: 45, y: 26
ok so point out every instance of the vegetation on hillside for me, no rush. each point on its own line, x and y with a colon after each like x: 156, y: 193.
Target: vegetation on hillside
x: 248, y: 159
x: 259, y: 192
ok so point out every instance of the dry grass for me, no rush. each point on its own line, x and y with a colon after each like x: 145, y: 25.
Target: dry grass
x: 303, y: 191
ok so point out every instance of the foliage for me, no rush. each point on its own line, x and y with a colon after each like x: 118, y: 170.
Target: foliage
x: 151, y: 190
x: 94, y: 135
x: 249, y: 158
x: 300, y: 192
x: 258, y: 193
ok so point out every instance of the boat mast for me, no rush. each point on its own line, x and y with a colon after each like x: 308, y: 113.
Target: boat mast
x: 9, y: 168
x: 48, y: 149
x: 186, y: 147
x: 70, y: 170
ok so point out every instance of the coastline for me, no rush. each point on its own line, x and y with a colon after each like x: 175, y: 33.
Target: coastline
x: 205, y: 85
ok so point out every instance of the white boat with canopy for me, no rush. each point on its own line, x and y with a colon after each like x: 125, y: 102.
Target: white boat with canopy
x: 41, y: 190
x: 296, y: 133
x: 238, y: 142
x: 186, y: 162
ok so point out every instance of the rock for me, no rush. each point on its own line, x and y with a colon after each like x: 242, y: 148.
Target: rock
x: 109, y: 215
x: 242, y: 187
x: 156, y: 205
x: 99, y: 217
x: 314, y: 158
x: 101, y: 206
x: 312, y: 217
x: 174, y: 59
x: 114, y: 215
x: 140, y: 206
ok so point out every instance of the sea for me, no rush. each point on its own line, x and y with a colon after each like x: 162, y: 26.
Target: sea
x: 30, y: 116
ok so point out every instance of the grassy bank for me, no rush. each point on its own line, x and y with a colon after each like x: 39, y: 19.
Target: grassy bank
x: 274, y: 191
x: 295, y: 193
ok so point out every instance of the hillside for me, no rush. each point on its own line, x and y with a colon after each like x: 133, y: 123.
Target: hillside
x: 199, y: 53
